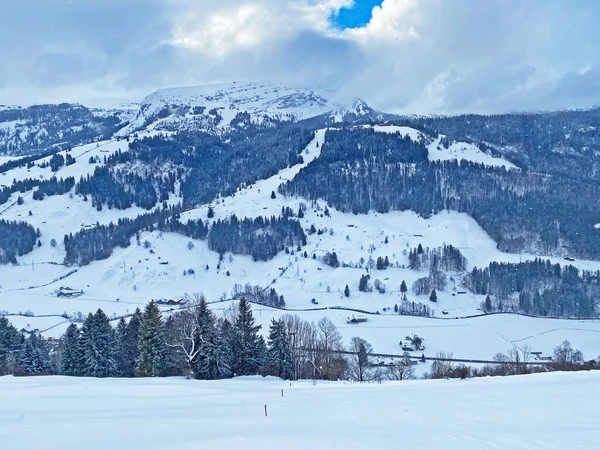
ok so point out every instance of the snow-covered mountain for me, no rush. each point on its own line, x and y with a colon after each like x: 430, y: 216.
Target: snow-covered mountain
x: 42, y: 128
x: 211, y: 108
x: 217, y: 107
x: 368, y: 187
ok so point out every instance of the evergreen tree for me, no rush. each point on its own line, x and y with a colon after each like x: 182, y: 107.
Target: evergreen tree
x: 279, y: 352
x: 363, y: 284
x: 207, y: 362
x: 97, y: 346
x: 11, y: 342
x: 35, y: 355
x: 120, y: 338
x: 433, y: 296
x: 487, y: 305
x: 224, y: 342
x: 347, y: 291
x: 246, y: 347
x: 130, y: 345
x: 151, y: 359
x: 403, y: 289
x: 70, y: 357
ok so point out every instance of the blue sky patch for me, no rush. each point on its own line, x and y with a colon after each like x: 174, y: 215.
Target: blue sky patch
x: 355, y: 17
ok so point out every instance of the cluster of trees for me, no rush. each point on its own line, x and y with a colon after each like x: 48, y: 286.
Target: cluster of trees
x: 259, y: 295
x: 192, y: 342
x: 262, y: 238
x: 45, y: 188
x: 195, y: 229
x: 122, y: 190
x: 446, y: 258
x: 521, y: 210
x: 97, y: 243
x: 537, y: 287
x: 56, y: 162
x: 53, y: 187
x: 16, y: 239
x: 517, y: 361
x: 331, y: 259
x: 411, y: 308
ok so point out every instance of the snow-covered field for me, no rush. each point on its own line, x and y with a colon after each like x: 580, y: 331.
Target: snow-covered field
x: 544, y: 411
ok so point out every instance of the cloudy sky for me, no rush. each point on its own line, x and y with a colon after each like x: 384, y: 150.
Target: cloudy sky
x: 422, y: 56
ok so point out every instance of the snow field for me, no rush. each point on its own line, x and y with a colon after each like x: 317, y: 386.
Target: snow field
x: 543, y: 411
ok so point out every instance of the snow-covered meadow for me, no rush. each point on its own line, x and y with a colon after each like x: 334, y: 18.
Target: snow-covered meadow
x: 543, y: 411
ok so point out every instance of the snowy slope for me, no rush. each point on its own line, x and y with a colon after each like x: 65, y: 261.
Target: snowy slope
x: 535, y: 412
x: 134, y: 275
x: 38, y: 128
x: 456, y: 150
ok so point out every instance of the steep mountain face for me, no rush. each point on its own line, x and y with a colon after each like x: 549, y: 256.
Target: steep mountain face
x: 39, y: 128
x: 225, y: 106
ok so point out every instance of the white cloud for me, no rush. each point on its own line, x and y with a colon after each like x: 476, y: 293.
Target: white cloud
x: 390, y: 22
x: 234, y: 26
x: 413, y: 55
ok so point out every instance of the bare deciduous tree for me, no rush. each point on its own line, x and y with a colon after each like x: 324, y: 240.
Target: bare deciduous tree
x: 401, y: 370
x: 358, y: 367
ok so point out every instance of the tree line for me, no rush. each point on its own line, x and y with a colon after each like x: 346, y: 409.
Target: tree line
x: 538, y: 288
x: 191, y: 342
x: 16, y: 239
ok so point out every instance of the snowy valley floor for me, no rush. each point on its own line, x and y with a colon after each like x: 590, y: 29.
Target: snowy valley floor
x: 543, y: 411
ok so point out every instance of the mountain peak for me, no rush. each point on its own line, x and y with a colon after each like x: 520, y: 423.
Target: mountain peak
x: 214, y: 107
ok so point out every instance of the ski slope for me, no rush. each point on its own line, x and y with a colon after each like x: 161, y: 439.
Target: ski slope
x: 543, y: 411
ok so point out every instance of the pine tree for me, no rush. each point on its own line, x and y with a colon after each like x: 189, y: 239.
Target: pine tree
x: 363, y: 284
x: 71, y: 359
x: 246, y: 349
x: 151, y: 359
x: 206, y: 364
x: 488, y: 304
x: 97, y: 346
x: 279, y: 352
x: 403, y: 289
x: 35, y: 355
x: 347, y: 291
x: 11, y: 342
x: 224, y: 342
x: 130, y: 346
x: 433, y: 296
